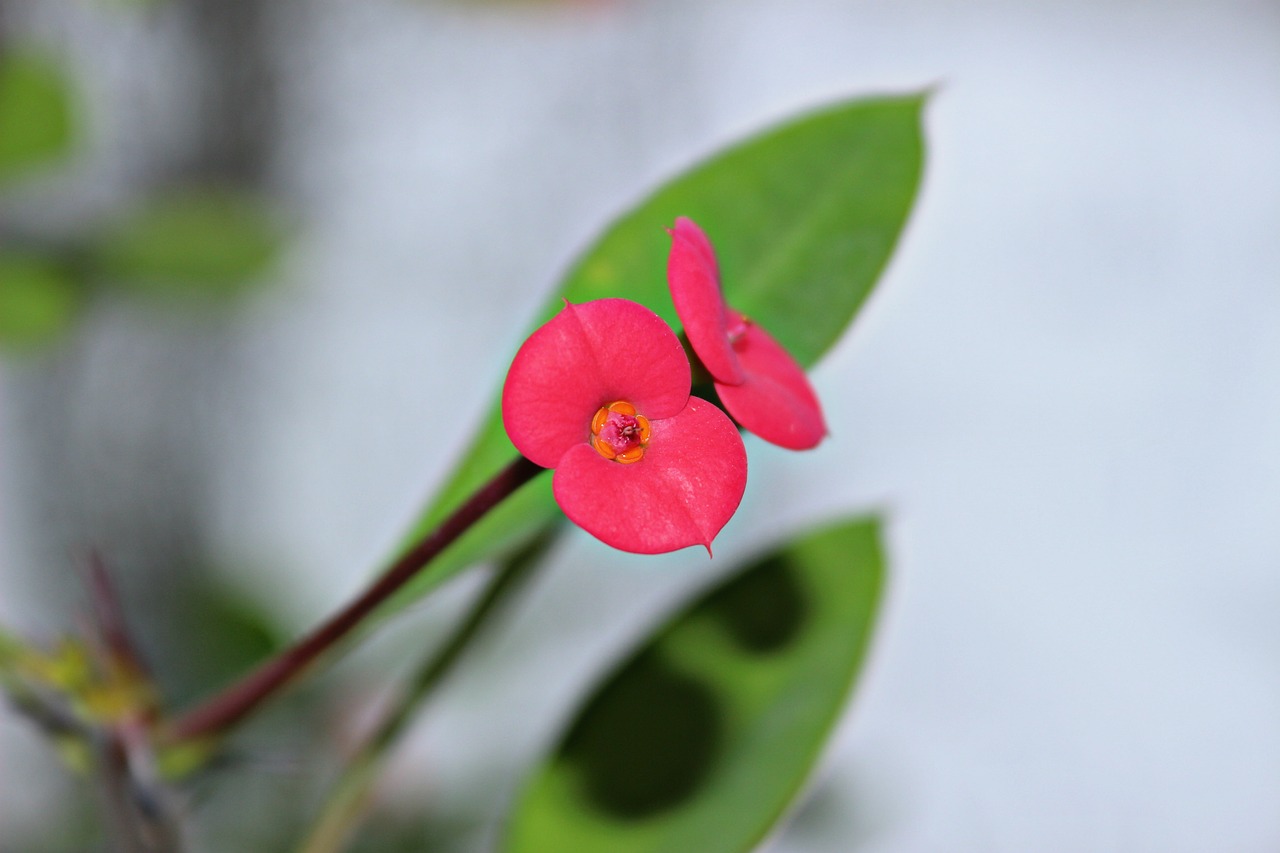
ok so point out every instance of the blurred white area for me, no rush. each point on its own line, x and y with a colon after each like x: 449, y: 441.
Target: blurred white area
x: 1064, y: 390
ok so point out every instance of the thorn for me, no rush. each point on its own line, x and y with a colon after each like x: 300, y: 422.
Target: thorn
x: 109, y: 618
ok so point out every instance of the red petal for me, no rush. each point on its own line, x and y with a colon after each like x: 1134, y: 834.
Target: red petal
x: 681, y: 493
x: 583, y: 358
x: 694, y: 278
x: 776, y: 402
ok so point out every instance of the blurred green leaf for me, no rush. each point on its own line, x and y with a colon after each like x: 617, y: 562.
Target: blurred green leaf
x: 208, y: 633
x: 209, y: 242
x: 38, y: 300
x: 35, y: 111
x: 702, y: 739
x: 804, y: 218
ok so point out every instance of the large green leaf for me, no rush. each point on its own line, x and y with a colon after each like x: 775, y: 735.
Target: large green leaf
x: 804, y: 218
x: 35, y: 111
x: 701, y: 740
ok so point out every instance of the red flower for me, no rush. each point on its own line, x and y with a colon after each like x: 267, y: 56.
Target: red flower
x: 601, y: 394
x: 758, y: 381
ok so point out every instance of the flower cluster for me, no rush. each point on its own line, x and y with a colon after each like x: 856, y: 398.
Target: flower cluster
x: 601, y: 393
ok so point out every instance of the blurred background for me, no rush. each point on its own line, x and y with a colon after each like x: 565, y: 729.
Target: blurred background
x: 1063, y: 393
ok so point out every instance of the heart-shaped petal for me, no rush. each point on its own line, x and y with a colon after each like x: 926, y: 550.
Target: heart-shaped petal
x: 585, y: 357
x: 683, y: 490
x: 694, y: 278
x: 776, y: 401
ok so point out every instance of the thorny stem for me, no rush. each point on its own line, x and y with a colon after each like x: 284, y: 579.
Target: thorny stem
x: 231, y: 705
x: 141, y: 815
x: 142, y: 818
x: 347, y: 803
x: 108, y: 614
x: 117, y: 643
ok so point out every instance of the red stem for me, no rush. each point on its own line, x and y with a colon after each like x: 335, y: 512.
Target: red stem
x: 232, y: 704
x: 108, y: 613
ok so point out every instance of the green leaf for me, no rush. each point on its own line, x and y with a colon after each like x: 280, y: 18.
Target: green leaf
x: 208, y: 634
x: 35, y: 111
x: 208, y: 242
x: 804, y: 218
x: 703, y: 738
x: 38, y: 300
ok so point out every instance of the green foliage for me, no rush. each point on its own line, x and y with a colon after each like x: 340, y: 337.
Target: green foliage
x: 209, y: 634
x: 804, y: 218
x: 38, y: 300
x: 36, y: 114
x: 195, y: 241
x: 702, y: 739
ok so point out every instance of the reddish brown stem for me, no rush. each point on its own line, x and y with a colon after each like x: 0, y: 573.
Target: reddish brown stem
x: 228, y: 707
x: 113, y: 631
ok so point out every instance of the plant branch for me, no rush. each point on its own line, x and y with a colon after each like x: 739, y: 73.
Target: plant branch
x: 139, y: 811
x: 231, y: 705
x: 112, y: 630
x: 346, y: 805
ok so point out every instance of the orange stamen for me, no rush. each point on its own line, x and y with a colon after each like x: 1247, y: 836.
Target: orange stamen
x: 618, y: 433
x: 597, y: 423
x: 626, y: 457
